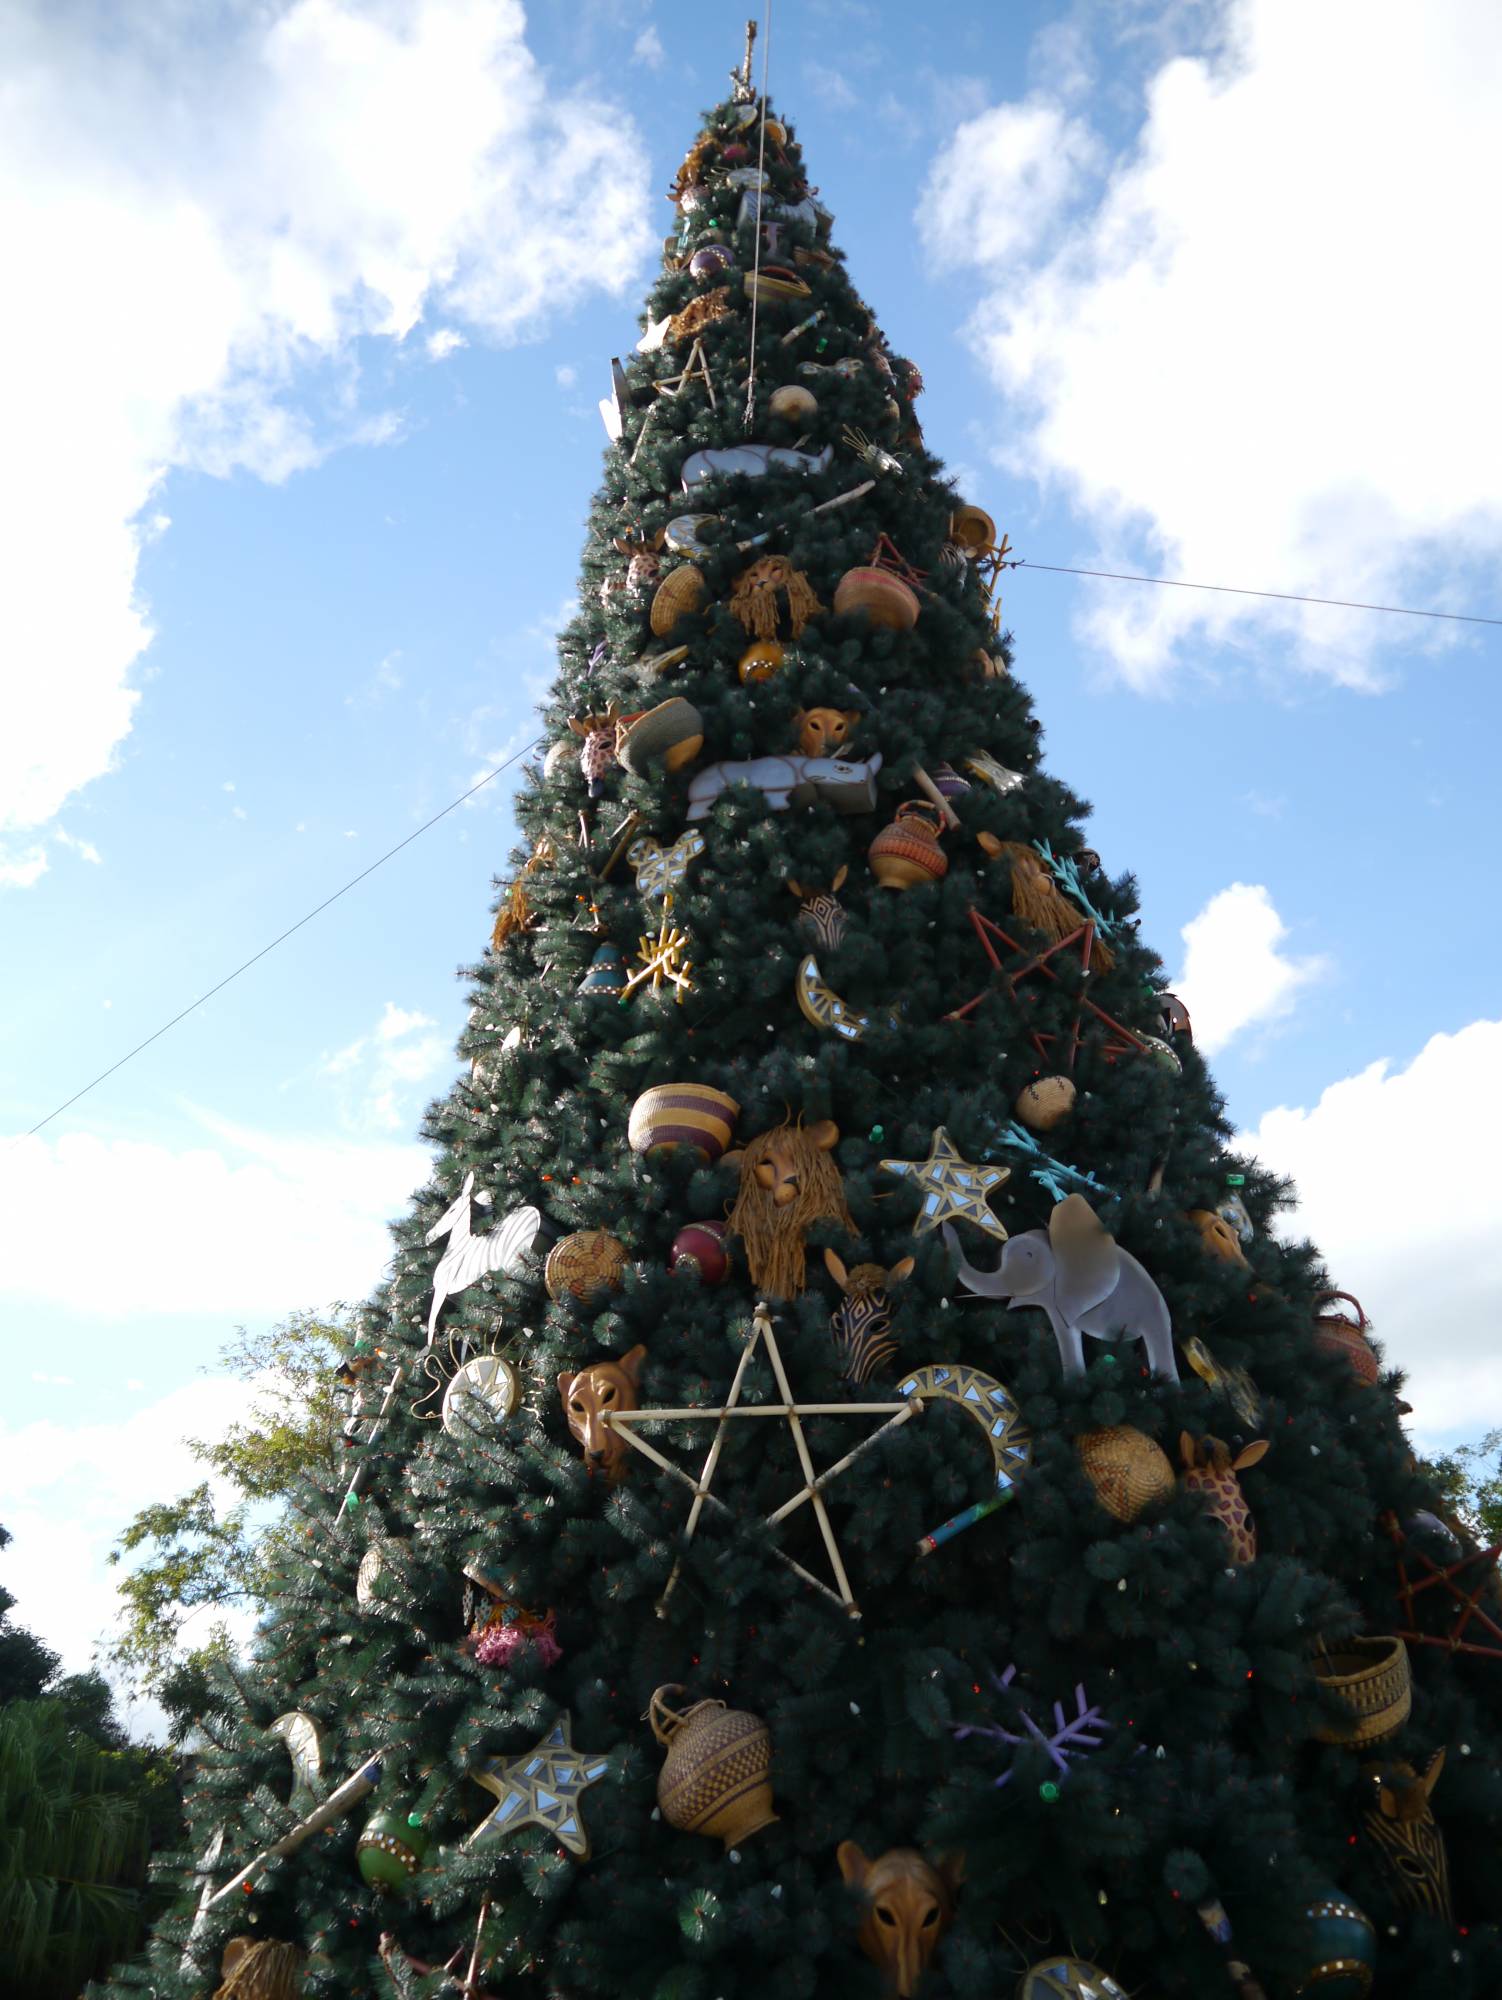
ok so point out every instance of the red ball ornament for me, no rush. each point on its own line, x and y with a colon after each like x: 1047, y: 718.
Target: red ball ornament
x: 700, y: 1247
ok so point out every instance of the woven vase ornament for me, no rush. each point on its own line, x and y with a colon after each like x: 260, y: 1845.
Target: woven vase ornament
x: 883, y: 597
x: 907, y: 851
x: 682, y: 1114
x: 1128, y: 1471
x: 260, y: 1969
x: 586, y: 1267
x: 754, y: 598
x: 681, y: 592
x: 1373, y: 1681
x: 1335, y: 1333
x: 716, y: 1778
x: 1037, y: 900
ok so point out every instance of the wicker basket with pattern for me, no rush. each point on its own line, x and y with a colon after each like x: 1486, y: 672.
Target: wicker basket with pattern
x: 716, y: 1778
x: 1371, y: 1676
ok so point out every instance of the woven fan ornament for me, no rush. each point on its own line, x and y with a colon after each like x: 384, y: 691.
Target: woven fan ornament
x: 754, y: 598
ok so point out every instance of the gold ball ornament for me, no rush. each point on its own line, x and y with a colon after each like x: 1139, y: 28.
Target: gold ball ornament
x: 796, y: 405
x: 761, y: 661
x: 586, y: 1266
x: 775, y: 130
x: 1045, y: 1103
x: 1128, y: 1471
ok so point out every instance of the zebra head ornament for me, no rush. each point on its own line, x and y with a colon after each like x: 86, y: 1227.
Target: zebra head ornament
x: 1403, y: 1837
x: 821, y: 918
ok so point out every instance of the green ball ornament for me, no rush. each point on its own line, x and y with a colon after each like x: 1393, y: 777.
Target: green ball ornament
x: 1340, y: 1949
x: 391, y: 1849
x: 1048, y: 1791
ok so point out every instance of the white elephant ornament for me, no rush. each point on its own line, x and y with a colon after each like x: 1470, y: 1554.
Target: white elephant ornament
x: 1085, y: 1282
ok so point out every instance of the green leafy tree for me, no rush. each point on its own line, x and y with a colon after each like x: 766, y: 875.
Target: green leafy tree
x: 1470, y: 1481
x: 486, y: 1585
x: 213, y: 1549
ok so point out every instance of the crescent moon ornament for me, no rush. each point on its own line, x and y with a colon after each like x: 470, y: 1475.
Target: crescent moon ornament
x: 990, y: 1404
x: 824, y: 1008
x: 304, y: 1743
x: 485, y: 1386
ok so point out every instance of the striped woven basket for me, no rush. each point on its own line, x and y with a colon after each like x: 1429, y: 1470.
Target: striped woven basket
x: 1373, y: 1680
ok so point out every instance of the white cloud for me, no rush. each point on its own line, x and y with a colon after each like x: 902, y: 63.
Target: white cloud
x: 444, y: 341
x: 378, y: 1071
x: 84, y: 849
x: 648, y: 48
x: 565, y: 375
x: 243, y: 1224
x: 1251, y: 354
x: 237, y: 204
x: 1396, y: 1172
x: 71, y: 1488
x: 1236, y: 974
x: 20, y: 868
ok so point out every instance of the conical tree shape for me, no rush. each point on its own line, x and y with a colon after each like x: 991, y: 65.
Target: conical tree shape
x: 791, y: 773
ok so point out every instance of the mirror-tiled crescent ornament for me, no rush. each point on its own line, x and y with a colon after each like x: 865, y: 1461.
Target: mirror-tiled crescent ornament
x: 990, y: 1404
x: 542, y: 1788
x: 1068, y: 1979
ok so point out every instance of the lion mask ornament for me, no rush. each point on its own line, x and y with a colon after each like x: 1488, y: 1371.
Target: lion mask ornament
x: 788, y: 1181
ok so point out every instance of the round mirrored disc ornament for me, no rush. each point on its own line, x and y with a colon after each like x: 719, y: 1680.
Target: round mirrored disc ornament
x: 483, y: 1387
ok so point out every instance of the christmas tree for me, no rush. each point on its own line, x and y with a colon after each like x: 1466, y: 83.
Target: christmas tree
x: 733, y: 1586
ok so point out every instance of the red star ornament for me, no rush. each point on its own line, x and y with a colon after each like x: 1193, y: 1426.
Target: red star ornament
x: 1119, y: 1040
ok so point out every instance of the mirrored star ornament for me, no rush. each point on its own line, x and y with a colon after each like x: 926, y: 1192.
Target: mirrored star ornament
x: 953, y: 1190
x: 541, y: 1788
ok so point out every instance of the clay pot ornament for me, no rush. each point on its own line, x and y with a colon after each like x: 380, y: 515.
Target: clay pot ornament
x: 1210, y: 1471
x: 789, y: 1180
x: 716, y: 1778
x: 589, y: 1395
x: 862, y: 1322
x: 1218, y: 1237
x: 909, y: 1904
x: 907, y: 852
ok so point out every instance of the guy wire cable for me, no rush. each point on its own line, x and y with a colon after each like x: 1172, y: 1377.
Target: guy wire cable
x: 760, y: 191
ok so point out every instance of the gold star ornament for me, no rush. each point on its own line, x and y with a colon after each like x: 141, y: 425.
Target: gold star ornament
x: 953, y: 1190
x: 663, y: 962
x: 540, y: 1788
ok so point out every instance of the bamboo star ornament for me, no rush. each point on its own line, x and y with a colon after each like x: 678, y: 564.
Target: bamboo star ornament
x: 542, y: 1788
x: 953, y: 1190
x: 792, y: 1413
x: 663, y: 962
x: 694, y: 369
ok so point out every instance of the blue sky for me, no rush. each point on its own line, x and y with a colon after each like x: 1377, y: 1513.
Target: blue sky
x: 304, y: 425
